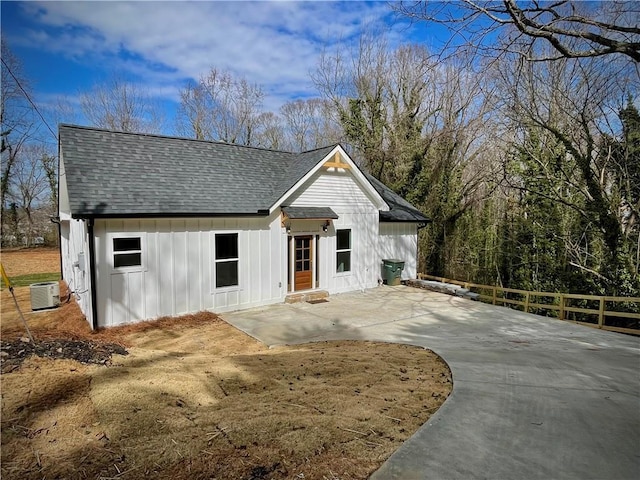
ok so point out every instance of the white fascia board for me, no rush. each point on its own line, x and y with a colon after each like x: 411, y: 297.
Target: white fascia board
x: 359, y: 176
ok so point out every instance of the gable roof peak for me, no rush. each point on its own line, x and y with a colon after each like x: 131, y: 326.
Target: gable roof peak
x: 325, y: 147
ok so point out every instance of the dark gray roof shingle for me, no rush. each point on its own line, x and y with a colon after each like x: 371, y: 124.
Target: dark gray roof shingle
x: 399, y: 209
x: 309, y: 213
x: 117, y: 174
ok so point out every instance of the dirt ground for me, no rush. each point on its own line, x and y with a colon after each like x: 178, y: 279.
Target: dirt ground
x: 194, y: 398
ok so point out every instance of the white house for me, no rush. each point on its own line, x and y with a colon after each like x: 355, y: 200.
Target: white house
x: 154, y: 226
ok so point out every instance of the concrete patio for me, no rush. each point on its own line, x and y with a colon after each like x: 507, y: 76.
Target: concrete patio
x: 533, y: 397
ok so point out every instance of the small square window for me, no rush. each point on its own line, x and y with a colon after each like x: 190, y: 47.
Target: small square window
x: 127, y: 252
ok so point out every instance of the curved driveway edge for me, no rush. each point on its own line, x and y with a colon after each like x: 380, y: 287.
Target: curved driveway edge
x: 533, y: 397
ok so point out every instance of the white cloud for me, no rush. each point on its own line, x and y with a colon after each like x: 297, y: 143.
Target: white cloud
x: 275, y: 44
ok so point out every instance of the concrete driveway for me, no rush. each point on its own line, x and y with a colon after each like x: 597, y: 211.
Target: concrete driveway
x: 533, y: 397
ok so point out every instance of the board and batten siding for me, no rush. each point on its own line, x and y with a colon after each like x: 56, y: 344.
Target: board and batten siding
x: 74, y: 248
x: 399, y: 240
x: 356, y: 211
x: 177, y: 272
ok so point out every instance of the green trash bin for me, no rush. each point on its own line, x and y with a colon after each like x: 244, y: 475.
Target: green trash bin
x: 392, y: 271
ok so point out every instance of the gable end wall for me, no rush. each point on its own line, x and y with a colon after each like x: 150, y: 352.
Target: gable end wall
x: 356, y: 211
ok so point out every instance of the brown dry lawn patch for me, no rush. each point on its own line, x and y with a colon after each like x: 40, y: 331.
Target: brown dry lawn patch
x: 195, y: 398
x: 29, y: 261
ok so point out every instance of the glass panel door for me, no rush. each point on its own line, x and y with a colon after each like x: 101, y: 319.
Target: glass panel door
x: 303, y: 265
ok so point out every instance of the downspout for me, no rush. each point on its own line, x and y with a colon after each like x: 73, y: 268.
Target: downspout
x: 92, y: 275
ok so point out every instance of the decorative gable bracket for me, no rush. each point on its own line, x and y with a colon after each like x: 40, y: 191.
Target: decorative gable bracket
x: 336, y: 162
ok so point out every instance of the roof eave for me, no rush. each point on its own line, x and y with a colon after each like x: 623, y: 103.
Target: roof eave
x: 390, y: 217
x: 392, y: 220
x: 88, y: 215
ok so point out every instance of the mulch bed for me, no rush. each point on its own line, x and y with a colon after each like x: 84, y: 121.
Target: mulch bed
x: 14, y: 352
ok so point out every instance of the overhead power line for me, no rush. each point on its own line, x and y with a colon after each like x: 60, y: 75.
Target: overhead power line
x: 29, y: 98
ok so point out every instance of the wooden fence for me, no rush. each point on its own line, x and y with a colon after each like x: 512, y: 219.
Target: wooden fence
x: 562, y: 304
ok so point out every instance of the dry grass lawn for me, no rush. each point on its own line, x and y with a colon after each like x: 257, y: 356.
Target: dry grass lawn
x: 19, y: 262
x: 195, y: 398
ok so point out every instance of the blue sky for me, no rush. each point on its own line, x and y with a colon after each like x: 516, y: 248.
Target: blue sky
x: 66, y: 47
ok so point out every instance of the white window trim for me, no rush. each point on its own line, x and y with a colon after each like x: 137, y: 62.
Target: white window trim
x: 142, y: 251
x: 350, y: 250
x: 229, y: 288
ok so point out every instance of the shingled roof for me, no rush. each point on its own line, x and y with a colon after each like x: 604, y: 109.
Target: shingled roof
x: 399, y: 209
x: 126, y: 174
x: 118, y: 174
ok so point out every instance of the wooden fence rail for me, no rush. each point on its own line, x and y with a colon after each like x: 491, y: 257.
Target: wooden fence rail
x: 561, y: 303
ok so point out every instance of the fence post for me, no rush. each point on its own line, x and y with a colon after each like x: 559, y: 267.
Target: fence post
x: 561, y: 311
x: 601, y: 313
x: 526, y: 302
x: 494, y: 294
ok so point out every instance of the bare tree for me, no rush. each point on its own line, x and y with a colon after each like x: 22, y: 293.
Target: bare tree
x: 310, y: 123
x: 17, y: 121
x: 194, y: 113
x: 298, y: 116
x: 64, y: 110
x: 117, y: 104
x: 31, y: 184
x: 574, y: 29
x: 221, y: 107
x: 271, y: 132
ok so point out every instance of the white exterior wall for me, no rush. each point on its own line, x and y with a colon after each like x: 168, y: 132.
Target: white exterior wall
x: 356, y: 211
x: 177, y: 272
x: 74, y: 248
x: 400, y: 241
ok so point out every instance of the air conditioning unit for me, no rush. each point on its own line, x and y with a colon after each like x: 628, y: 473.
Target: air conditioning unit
x: 45, y: 295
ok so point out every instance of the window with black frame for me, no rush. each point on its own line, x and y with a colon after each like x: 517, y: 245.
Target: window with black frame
x: 343, y: 250
x: 127, y: 252
x: 226, y: 260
